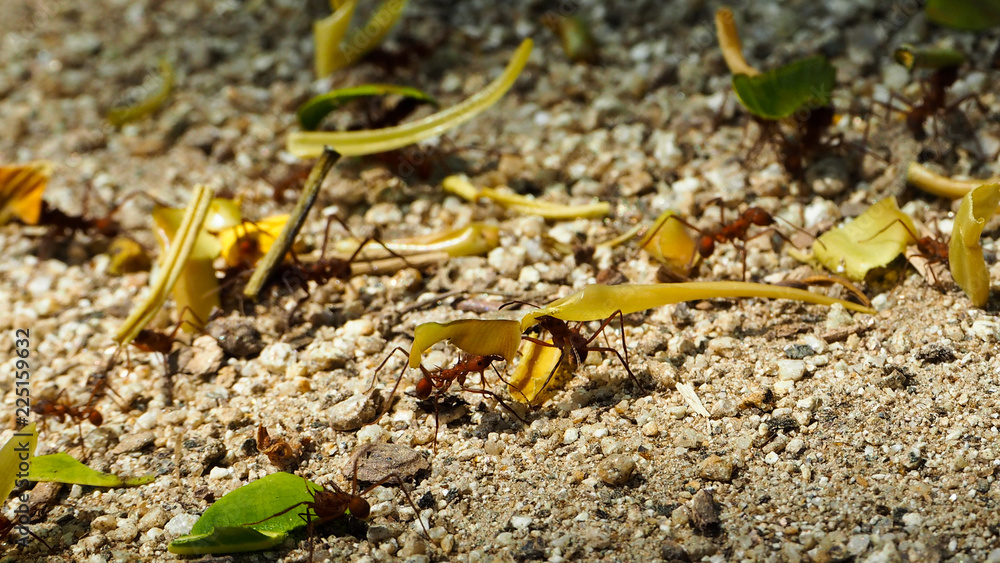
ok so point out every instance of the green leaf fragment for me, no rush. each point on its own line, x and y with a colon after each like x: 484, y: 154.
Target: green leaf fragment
x: 965, y: 254
x: 872, y: 240
x: 932, y: 58
x: 779, y: 93
x: 232, y: 539
x: 64, y: 468
x: 312, y: 112
x: 972, y: 15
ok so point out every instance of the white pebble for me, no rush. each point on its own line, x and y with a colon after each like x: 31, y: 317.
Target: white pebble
x: 571, y: 435
x: 520, y: 522
x: 277, y: 356
x: 220, y: 473
x: 771, y: 458
x: 791, y: 370
x: 180, y: 524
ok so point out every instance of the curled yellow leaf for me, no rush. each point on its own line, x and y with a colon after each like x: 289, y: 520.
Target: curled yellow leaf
x: 245, y: 243
x: 729, y: 42
x: 539, y: 373
x: 472, y: 240
x: 670, y: 242
x: 21, y: 189
x: 481, y: 337
x: 923, y: 178
x: 965, y: 254
x: 460, y: 186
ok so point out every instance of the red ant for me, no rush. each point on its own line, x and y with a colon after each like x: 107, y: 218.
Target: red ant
x: 572, y: 340
x: 60, y: 410
x: 335, y: 503
x: 736, y: 230
x: 933, y: 250
x: 104, y: 226
x: 437, y: 382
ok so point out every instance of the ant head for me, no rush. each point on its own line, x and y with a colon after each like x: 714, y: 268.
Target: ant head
x: 424, y: 388
x: 359, y: 508
x: 759, y: 217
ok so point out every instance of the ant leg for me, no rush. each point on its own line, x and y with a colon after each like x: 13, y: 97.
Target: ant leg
x: 395, y: 387
x: 495, y: 397
x: 623, y: 360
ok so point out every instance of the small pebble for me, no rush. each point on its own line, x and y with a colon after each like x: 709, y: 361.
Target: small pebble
x: 571, y: 435
x: 715, y: 468
x: 376, y: 462
x: 705, y: 513
x: 791, y: 370
x: 521, y: 522
x: 771, y: 458
x: 277, y: 357
x: 355, y: 412
x: 616, y: 470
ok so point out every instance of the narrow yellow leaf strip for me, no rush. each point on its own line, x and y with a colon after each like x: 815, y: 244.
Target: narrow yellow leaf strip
x: 21, y: 189
x: 872, y: 240
x: 729, y: 42
x: 965, y: 254
x: 309, y: 144
x: 922, y: 178
x: 598, y: 302
x: 472, y: 240
x: 127, y: 114
x: 460, y: 186
x: 197, y: 288
x: 482, y: 337
x: 328, y: 34
x: 173, y: 264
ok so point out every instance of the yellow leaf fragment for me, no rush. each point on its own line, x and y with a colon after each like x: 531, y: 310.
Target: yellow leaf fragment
x: 15, y: 459
x: 223, y: 214
x: 539, y: 373
x: 460, y: 186
x: 196, y: 288
x: 245, y: 243
x: 481, y: 337
x: 127, y: 256
x: 923, y: 178
x: 872, y: 240
x: 965, y: 254
x: 729, y: 42
x: 670, y: 243
x: 309, y: 144
x: 328, y: 34
x: 472, y: 240
x: 180, y: 248
x: 598, y: 302
x: 127, y: 114
x: 21, y: 189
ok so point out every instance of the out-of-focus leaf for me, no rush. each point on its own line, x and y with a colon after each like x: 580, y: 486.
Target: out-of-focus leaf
x: 460, y: 186
x: 127, y: 256
x: 21, y: 189
x: 779, y: 93
x: 246, y: 243
x: 142, y: 108
x: 973, y: 15
x: 670, y: 243
x: 313, y: 111
x: 16, y: 453
x: 64, y: 468
x: 965, y: 254
x: 197, y: 288
x: 933, y: 58
x: 872, y: 240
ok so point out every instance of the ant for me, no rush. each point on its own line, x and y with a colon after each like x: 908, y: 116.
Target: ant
x: 437, y: 382
x: 572, y: 340
x: 335, y: 503
x: 60, y: 410
x: 736, y: 230
x: 282, y: 454
x: 933, y: 250
x: 105, y: 226
x: 7, y: 525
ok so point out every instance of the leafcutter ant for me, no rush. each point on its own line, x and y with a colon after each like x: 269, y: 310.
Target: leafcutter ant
x: 334, y: 503
x: 61, y: 409
x: 279, y: 451
x: 933, y: 250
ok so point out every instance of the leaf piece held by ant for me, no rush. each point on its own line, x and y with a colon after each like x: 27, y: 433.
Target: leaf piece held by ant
x: 575, y: 38
x: 972, y: 15
x: 21, y: 189
x: 333, y: 52
x: 245, y: 243
x: 64, y: 468
x: 597, y: 302
x: 965, y: 254
x: 872, y: 240
x: 534, y: 381
x: 779, y: 93
x: 196, y: 287
x: 475, y: 239
x: 122, y: 115
x: 923, y: 178
x: 479, y: 337
x: 460, y: 186
x: 127, y: 257
x: 931, y: 58
x: 22, y: 443
x: 249, y: 507
x: 670, y: 243
x: 378, y: 462
x: 313, y: 111
x: 172, y: 265
x: 223, y: 213
x: 309, y: 144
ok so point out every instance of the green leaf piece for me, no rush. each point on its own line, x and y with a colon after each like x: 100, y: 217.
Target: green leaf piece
x: 312, y: 112
x: 965, y: 254
x: 872, y: 240
x: 20, y: 448
x: 931, y: 58
x: 778, y: 93
x: 972, y: 15
x: 230, y: 539
x: 64, y: 468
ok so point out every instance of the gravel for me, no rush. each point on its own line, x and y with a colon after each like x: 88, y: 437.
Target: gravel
x: 830, y: 436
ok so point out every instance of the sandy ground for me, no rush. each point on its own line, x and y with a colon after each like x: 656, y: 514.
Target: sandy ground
x: 831, y: 436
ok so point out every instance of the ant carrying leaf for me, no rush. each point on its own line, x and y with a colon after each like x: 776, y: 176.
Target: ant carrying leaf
x: 872, y: 240
x: 967, y: 264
